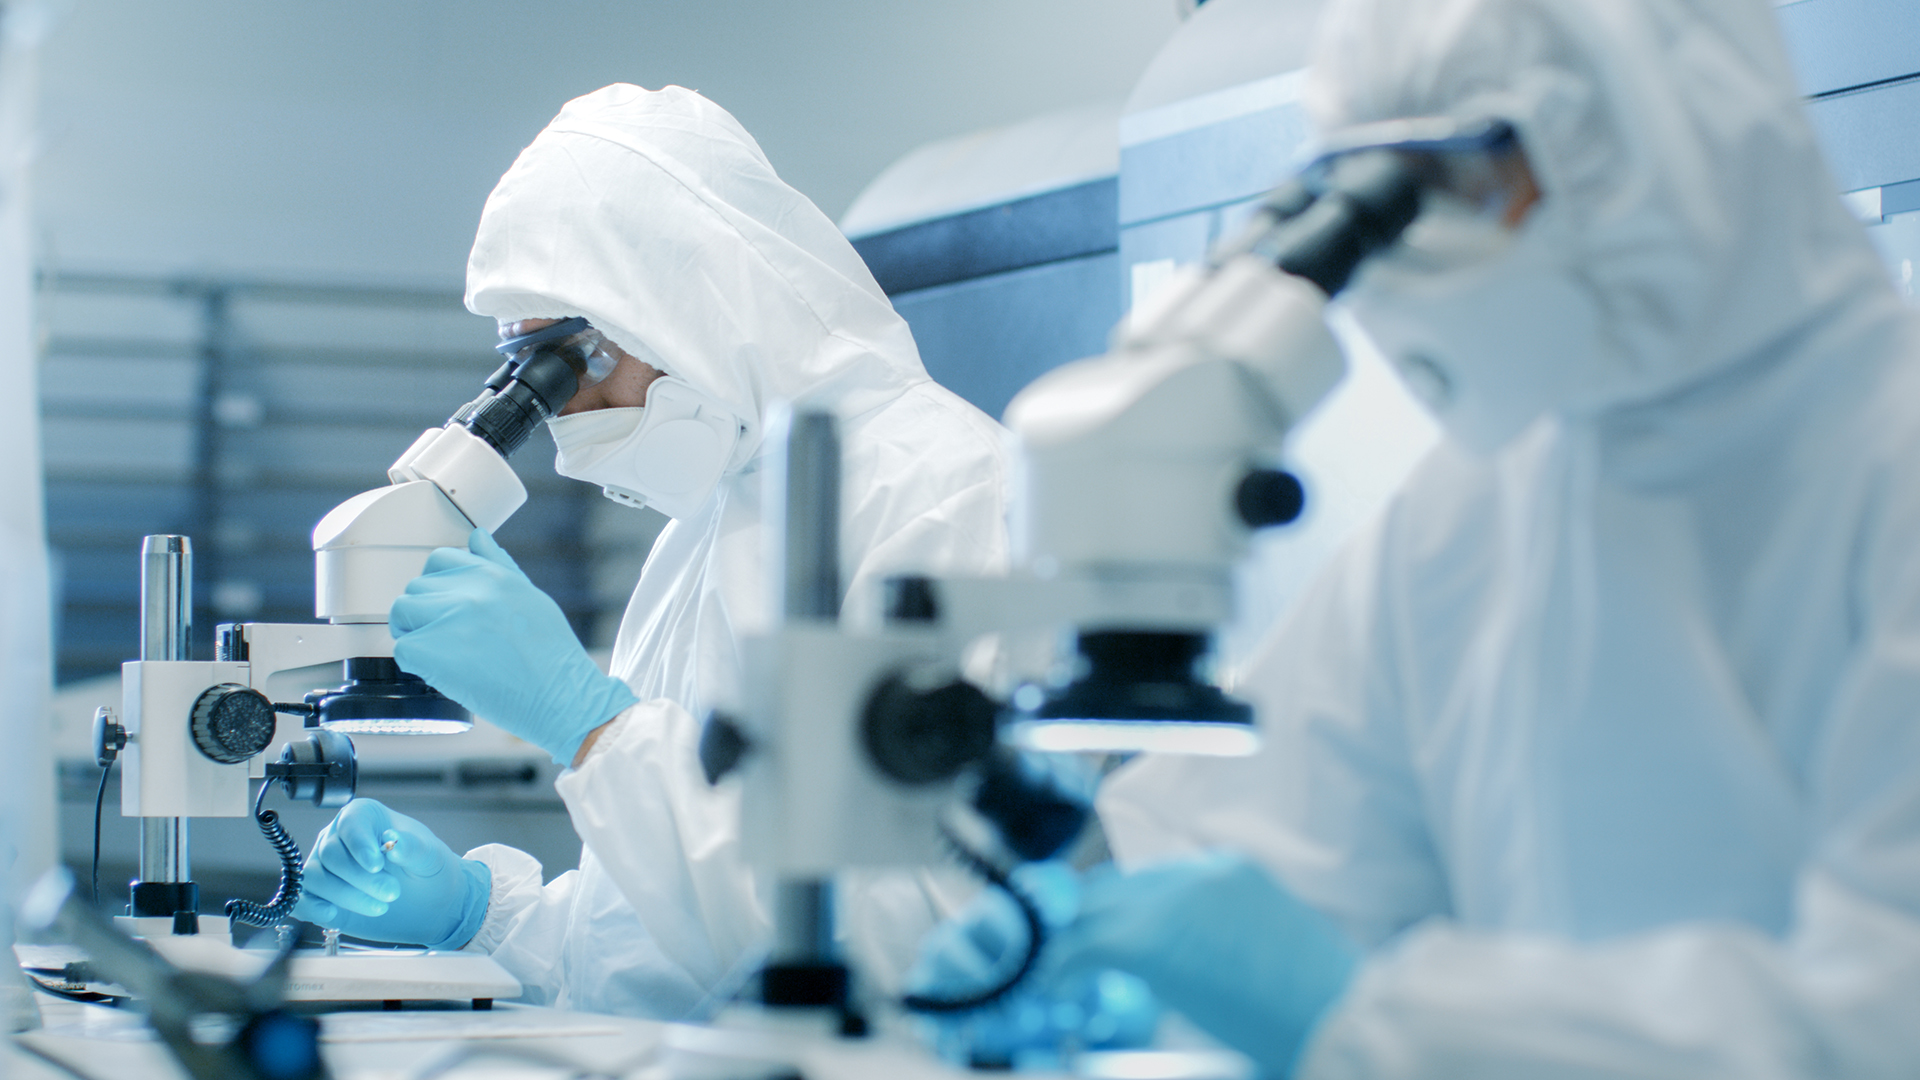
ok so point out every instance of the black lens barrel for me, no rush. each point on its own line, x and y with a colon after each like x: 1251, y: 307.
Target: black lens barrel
x: 1363, y: 202
x: 529, y: 391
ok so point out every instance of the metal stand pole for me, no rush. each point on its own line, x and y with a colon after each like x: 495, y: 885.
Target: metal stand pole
x: 803, y: 922
x: 805, y: 969
x: 166, y: 885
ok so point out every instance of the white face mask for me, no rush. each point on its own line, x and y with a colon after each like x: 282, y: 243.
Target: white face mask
x: 1489, y: 333
x: 668, y: 455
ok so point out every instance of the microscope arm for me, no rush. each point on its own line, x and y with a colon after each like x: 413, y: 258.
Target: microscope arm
x: 366, y: 549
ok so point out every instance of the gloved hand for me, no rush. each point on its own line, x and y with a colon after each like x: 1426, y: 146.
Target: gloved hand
x: 478, y: 631
x: 1218, y: 939
x: 418, y: 892
x: 1106, y: 1010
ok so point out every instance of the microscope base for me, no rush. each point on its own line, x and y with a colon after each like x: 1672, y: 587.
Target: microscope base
x: 158, y: 926
x: 355, y: 975
x: 394, y: 975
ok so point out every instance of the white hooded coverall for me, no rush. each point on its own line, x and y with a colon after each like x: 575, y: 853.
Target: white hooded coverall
x: 1608, y: 745
x: 656, y: 217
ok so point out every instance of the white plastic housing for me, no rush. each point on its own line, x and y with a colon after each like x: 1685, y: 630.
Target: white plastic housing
x: 276, y: 647
x: 973, y: 607
x: 369, y: 547
x: 164, y: 774
x: 474, y: 476
x: 810, y: 802
x: 1131, y: 460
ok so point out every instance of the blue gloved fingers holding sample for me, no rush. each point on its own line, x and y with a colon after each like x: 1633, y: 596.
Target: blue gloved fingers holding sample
x: 1217, y: 938
x: 1027, y: 1027
x: 478, y: 631
x: 383, y: 876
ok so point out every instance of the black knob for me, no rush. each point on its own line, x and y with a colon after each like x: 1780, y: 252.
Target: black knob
x: 109, y: 738
x: 722, y: 745
x: 922, y: 735
x: 1031, y: 805
x: 1269, y: 497
x: 231, y: 723
x: 911, y: 599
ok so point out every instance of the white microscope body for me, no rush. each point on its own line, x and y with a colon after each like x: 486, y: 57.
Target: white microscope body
x: 1142, y: 474
x: 195, y: 731
x: 365, y: 551
x: 1186, y: 407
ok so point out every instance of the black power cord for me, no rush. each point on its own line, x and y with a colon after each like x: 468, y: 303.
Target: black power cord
x: 109, y: 738
x: 277, y: 909
x: 1036, y: 937
x: 99, y: 801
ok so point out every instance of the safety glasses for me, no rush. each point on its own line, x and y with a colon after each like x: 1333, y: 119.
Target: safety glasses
x: 575, y: 339
x: 1476, y: 164
x: 1477, y: 186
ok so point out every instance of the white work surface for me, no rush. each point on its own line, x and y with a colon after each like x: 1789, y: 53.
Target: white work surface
x: 99, y: 1043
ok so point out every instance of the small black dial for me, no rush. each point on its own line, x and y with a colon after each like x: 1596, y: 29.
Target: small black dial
x: 1268, y: 497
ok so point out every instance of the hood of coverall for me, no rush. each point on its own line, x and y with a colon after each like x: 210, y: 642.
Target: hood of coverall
x: 1677, y: 170
x: 653, y: 214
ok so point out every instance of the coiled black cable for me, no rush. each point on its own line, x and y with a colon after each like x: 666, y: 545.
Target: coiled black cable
x: 1036, y: 937
x: 277, y: 909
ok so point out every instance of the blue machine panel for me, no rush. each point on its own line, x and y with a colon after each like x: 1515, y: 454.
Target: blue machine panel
x: 1209, y: 166
x: 1182, y: 191
x: 1872, y: 137
x: 987, y: 337
x: 999, y: 295
x: 1068, y: 223
x: 1843, y: 44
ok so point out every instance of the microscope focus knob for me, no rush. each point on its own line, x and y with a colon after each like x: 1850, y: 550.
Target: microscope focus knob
x: 231, y: 723
x: 1268, y: 497
x: 921, y: 728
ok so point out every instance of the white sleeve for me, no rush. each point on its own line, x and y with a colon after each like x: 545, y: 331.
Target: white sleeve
x: 1837, y: 996
x: 1331, y: 805
x: 1841, y: 997
x: 525, y: 928
x: 669, y: 840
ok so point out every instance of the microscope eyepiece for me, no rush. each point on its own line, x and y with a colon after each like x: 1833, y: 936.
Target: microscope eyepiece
x: 544, y: 369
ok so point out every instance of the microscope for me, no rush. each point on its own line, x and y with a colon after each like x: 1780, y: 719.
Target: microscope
x: 194, y: 733
x: 1142, y: 475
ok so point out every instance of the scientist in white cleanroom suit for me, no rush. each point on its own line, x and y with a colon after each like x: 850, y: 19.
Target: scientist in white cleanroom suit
x: 657, y: 218
x: 1599, y: 754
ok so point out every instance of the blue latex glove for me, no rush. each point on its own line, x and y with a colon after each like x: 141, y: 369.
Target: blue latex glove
x: 418, y: 892
x: 1218, y: 939
x: 1104, y: 1010
x: 478, y: 631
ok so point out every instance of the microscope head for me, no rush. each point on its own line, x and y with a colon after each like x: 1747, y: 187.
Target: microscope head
x: 1145, y: 471
x: 452, y: 480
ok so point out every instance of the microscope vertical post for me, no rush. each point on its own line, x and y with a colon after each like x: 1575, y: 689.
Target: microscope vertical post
x: 803, y: 912
x: 166, y: 626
